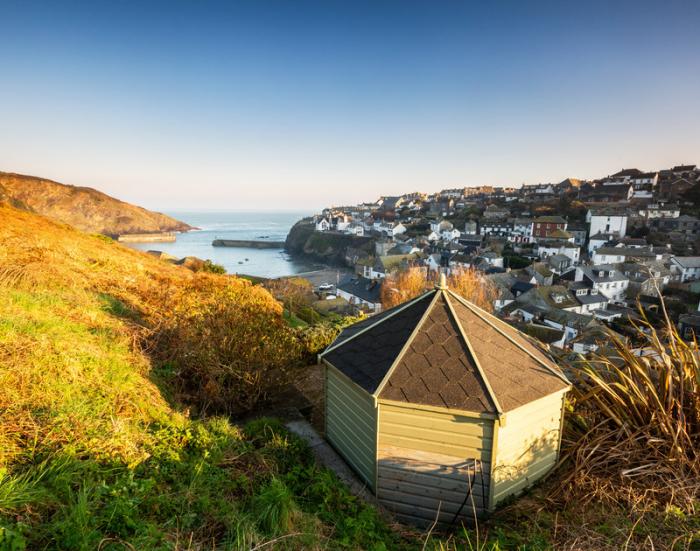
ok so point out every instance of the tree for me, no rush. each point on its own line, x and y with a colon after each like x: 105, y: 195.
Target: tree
x: 292, y: 292
x: 469, y: 283
x: 402, y: 286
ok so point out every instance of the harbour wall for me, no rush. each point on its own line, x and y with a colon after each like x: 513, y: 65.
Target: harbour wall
x: 250, y: 244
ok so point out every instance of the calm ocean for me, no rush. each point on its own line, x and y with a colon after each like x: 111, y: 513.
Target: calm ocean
x: 236, y: 225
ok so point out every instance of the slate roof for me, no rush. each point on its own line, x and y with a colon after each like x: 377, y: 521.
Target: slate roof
x: 521, y: 287
x: 558, y: 259
x: 592, y: 274
x: 591, y: 299
x: 544, y: 297
x: 550, y: 219
x: 602, y: 236
x: 369, y: 290
x: 626, y: 251
x: 441, y: 350
x: 687, y: 261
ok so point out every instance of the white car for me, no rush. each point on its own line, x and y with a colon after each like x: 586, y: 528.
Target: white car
x: 325, y: 287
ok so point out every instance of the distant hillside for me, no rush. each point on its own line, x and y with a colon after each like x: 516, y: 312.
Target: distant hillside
x: 83, y: 208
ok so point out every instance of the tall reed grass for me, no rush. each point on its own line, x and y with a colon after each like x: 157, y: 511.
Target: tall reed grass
x: 634, y: 436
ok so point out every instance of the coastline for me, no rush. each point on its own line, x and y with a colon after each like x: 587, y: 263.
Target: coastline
x: 242, y: 228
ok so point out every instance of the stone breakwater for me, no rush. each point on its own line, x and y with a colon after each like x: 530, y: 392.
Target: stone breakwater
x: 250, y: 244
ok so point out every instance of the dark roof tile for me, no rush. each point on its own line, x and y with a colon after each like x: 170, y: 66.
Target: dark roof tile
x: 438, y: 368
x: 365, y: 358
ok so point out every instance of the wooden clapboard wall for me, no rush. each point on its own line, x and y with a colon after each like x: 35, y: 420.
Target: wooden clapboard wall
x: 430, y: 460
x: 351, y: 424
x: 527, y: 445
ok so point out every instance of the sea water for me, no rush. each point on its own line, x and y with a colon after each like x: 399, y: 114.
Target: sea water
x: 263, y: 226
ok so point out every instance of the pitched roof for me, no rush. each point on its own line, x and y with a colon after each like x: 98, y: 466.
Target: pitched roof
x: 626, y: 251
x: 627, y: 172
x: 687, y: 261
x: 593, y: 274
x: 607, y: 211
x: 369, y: 290
x: 570, y: 319
x: 550, y: 219
x: 603, y: 236
x: 561, y: 234
x: 592, y: 299
x: 365, y: 354
x: 389, y: 262
x: 546, y: 297
x: 440, y: 350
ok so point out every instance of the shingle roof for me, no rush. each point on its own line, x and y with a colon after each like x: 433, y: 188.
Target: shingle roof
x: 443, y: 351
x: 366, y: 356
x: 438, y: 369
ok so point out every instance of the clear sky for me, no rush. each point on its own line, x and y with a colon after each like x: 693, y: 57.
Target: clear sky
x: 294, y: 104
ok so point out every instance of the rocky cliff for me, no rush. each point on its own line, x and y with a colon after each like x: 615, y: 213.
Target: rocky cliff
x: 326, y: 247
x: 82, y: 207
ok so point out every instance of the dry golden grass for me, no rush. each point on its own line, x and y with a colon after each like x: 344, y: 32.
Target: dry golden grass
x: 411, y: 282
x: 71, y: 302
x: 634, y: 436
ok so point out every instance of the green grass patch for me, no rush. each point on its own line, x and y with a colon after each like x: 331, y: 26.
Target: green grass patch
x: 205, y: 480
x: 293, y: 320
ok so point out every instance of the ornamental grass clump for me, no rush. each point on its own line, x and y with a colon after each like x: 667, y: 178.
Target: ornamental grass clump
x: 634, y: 436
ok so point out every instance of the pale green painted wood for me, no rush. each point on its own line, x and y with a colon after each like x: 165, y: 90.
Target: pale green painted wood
x: 441, y: 433
x: 351, y: 421
x: 527, y: 446
x: 425, y: 463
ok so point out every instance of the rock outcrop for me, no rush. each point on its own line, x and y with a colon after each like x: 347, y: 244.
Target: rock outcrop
x: 327, y: 247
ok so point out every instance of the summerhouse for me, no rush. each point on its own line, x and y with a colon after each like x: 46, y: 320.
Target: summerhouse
x: 443, y: 409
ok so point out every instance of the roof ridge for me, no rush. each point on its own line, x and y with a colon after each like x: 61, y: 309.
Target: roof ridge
x: 484, y: 315
x: 398, y: 309
x: 472, y: 353
x: 408, y: 342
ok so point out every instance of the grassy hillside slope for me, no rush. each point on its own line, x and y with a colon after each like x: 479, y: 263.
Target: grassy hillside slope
x: 84, y: 208
x: 114, y: 365
x: 96, y: 452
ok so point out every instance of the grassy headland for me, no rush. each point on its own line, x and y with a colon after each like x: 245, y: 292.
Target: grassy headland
x: 98, y: 353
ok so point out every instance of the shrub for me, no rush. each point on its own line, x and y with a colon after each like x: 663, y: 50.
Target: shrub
x: 228, y: 341
x: 213, y: 268
x: 635, y: 433
x: 308, y: 314
x: 314, y: 339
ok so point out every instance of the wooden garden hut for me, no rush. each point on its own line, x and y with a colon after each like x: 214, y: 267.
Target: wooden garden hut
x: 440, y: 406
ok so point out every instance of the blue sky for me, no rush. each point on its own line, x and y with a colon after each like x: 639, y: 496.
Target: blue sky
x: 295, y: 104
